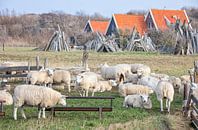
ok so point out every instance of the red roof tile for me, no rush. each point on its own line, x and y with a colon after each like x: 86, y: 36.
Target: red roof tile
x: 99, y: 26
x: 127, y: 22
x: 159, y: 15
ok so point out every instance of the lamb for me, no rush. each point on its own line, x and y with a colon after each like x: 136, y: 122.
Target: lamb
x: 129, y: 89
x: 6, y: 96
x: 141, y: 101
x: 86, y: 81
x: 40, y: 77
x: 102, y: 86
x: 36, y: 96
x: 165, y: 89
x: 62, y: 76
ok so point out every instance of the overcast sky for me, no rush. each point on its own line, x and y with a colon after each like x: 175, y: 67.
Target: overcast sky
x: 104, y: 7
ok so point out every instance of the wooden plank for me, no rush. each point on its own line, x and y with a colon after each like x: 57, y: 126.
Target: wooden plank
x: 194, y: 99
x: 77, y: 97
x: 18, y: 68
x: 91, y: 109
x: 194, y: 107
x: 12, y: 75
x: 194, y: 120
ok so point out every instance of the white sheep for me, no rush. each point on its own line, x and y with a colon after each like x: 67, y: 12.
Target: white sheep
x: 129, y: 89
x: 7, y: 97
x: 131, y: 78
x: 34, y: 95
x: 102, y: 86
x: 62, y: 76
x: 111, y: 72
x: 86, y: 81
x: 141, y: 101
x: 176, y: 82
x: 165, y: 90
x: 125, y: 68
x: 40, y: 77
x: 149, y: 81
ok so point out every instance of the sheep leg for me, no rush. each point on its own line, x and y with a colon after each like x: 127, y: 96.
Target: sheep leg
x: 161, y: 105
x: 69, y: 88
x: 167, y: 103
x: 43, y: 116
x: 87, y: 93
x: 92, y: 94
x: 169, y: 106
x: 39, y: 114
x: 23, y: 113
x: 15, y: 113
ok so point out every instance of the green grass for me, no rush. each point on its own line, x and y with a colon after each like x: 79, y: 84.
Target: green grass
x: 120, y: 118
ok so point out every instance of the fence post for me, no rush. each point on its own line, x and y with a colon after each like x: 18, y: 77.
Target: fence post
x: 45, y: 63
x: 37, y: 62
x: 28, y: 66
x: 196, y: 71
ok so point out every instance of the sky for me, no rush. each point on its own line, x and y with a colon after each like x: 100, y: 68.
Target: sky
x: 104, y: 7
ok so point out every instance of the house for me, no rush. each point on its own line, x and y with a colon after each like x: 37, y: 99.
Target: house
x: 156, y: 19
x: 96, y: 26
x: 125, y: 23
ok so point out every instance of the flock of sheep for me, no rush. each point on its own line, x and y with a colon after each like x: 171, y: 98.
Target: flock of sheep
x: 134, y: 82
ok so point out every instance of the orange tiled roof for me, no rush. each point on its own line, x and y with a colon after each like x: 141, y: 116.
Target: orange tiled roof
x: 127, y: 22
x: 99, y: 26
x: 159, y: 15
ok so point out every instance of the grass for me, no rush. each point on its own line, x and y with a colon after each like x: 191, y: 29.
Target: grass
x: 120, y: 118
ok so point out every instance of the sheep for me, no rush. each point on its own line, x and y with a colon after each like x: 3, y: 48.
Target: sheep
x: 140, y: 69
x: 40, y: 77
x: 165, y: 90
x: 102, y: 86
x: 86, y: 81
x: 141, y: 101
x: 7, y: 97
x: 176, y: 82
x: 149, y: 81
x: 125, y: 68
x: 130, y: 77
x: 129, y: 88
x: 36, y: 96
x: 62, y: 76
x: 185, y: 79
x: 111, y: 72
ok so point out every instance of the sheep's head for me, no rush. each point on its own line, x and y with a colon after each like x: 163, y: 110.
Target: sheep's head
x: 79, y: 79
x: 144, y: 98
x: 176, y: 82
x: 113, y: 83
x: 50, y: 72
x: 62, y: 100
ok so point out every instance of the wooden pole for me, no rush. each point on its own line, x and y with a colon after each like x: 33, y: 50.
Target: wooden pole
x: 46, y: 63
x: 196, y: 71
x: 37, y: 62
x: 3, y: 47
x: 28, y: 66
